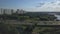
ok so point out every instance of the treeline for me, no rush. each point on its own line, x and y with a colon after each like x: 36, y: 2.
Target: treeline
x: 30, y: 16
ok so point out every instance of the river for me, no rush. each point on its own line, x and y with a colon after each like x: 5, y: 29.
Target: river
x: 58, y: 17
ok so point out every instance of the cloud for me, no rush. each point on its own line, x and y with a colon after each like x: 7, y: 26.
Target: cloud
x: 50, y: 6
x: 47, y: 6
x: 40, y: 4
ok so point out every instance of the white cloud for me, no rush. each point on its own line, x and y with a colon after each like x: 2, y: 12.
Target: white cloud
x: 48, y: 6
x: 51, y: 6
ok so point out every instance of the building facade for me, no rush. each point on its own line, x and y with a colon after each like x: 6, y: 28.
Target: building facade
x: 6, y: 11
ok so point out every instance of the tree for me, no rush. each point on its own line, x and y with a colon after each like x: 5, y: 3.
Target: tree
x: 47, y: 18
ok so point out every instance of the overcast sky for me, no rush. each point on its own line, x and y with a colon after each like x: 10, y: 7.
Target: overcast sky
x: 31, y: 5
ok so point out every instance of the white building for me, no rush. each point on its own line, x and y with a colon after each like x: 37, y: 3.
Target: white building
x: 10, y: 11
x: 6, y: 11
x: 1, y: 11
x: 20, y: 11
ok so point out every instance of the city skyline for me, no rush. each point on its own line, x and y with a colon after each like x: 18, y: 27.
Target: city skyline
x: 31, y: 5
x: 11, y: 11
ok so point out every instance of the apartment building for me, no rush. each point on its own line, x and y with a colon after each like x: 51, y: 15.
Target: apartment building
x: 11, y: 11
x: 6, y: 11
x: 20, y: 11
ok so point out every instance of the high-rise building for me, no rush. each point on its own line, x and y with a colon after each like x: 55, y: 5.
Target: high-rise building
x: 12, y: 11
x: 1, y: 11
x: 8, y: 11
x: 17, y: 12
x: 21, y: 11
x: 4, y: 11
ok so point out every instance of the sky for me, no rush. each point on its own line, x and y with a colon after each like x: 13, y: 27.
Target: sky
x: 31, y: 5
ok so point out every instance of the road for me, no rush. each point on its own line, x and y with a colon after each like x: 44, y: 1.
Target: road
x: 31, y: 23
